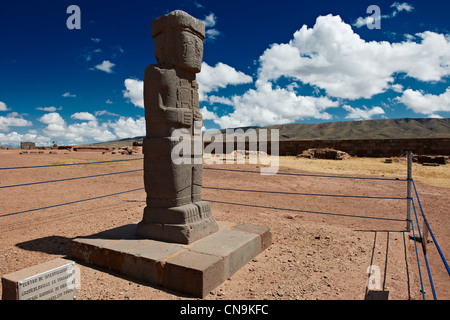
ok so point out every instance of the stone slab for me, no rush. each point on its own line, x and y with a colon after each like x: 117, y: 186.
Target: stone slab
x: 51, y: 280
x: 193, y: 273
x: 263, y: 232
x: 194, y: 269
x: 235, y: 247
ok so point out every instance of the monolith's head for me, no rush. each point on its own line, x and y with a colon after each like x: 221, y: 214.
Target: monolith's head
x: 179, y: 41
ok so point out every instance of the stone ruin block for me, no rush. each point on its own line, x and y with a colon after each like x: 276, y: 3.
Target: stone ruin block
x: 324, y: 153
x: 421, y: 159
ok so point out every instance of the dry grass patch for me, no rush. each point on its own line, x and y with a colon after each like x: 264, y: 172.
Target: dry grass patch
x: 438, y: 176
x: 433, y: 176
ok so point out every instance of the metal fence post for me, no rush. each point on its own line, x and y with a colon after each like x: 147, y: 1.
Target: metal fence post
x: 425, y: 237
x: 409, y: 193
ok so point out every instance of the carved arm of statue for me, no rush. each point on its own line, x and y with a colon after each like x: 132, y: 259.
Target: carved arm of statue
x: 180, y: 116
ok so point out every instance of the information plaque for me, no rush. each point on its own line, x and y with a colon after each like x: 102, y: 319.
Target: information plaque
x: 54, y: 284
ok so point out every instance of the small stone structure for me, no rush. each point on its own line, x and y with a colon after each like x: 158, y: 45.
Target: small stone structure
x: 324, y: 153
x: 126, y: 150
x: 90, y: 149
x: 175, y: 211
x: 27, y: 145
x: 422, y: 159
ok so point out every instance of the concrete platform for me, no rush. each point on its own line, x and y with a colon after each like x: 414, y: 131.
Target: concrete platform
x: 194, y: 269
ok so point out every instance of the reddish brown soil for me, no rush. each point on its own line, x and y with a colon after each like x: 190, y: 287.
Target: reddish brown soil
x: 313, y: 255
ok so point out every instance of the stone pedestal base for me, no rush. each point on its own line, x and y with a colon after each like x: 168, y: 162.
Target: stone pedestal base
x: 193, y: 269
x: 184, y: 224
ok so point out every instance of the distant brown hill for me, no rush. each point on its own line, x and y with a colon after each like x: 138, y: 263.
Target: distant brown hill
x: 367, y: 129
x: 345, y: 130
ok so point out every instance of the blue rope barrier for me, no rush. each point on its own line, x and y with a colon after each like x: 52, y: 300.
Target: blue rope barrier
x: 431, y: 233
x: 312, y: 175
x: 72, y: 202
x: 307, y: 194
x: 418, y: 262
x: 68, y: 164
x: 306, y: 211
x: 67, y: 179
x: 247, y: 171
x: 424, y: 253
x: 257, y: 206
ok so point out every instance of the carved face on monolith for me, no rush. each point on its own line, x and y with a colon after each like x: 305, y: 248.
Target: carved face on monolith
x: 179, y: 41
x: 189, y: 51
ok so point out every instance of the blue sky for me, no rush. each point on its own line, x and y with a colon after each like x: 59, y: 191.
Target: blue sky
x: 264, y: 63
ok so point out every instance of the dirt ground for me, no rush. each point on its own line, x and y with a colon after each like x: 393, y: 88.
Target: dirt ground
x: 323, y: 247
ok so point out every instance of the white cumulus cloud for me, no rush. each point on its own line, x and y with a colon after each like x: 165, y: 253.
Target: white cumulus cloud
x: 209, y: 22
x: 369, y: 20
x: 52, y: 118
x: 92, y: 130
x: 134, y: 91
x: 3, y: 106
x: 267, y: 106
x: 332, y: 57
x: 208, y: 115
x: 14, y: 139
x: 364, y: 21
x: 402, y: 6
x: 105, y: 66
x: 13, y: 121
x: 212, y: 34
x: 105, y: 112
x: 363, y: 114
x: 127, y: 127
x: 426, y: 103
x: 222, y: 100
x: 82, y: 132
x: 49, y: 109
x: 83, y: 116
x: 220, y: 76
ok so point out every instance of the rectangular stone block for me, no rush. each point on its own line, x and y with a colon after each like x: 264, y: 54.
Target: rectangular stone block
x: 95, y: 251
x: 263, y: 232
x: 52, y: 280
x: 193, y: 273
x: 236, y: 248
x: 133, y: 257
x: 143, y: 262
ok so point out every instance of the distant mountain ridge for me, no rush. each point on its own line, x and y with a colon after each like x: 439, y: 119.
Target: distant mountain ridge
x: 367, y: 129
x: 405, y: 128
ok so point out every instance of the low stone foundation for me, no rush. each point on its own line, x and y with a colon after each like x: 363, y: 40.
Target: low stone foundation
x: 194, y: 269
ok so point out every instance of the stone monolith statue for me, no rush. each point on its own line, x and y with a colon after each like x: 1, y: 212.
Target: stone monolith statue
x: 174, y: 211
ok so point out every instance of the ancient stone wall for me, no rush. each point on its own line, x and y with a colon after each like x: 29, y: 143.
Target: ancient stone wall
x: 372, y: 147
x: 365, y: 147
